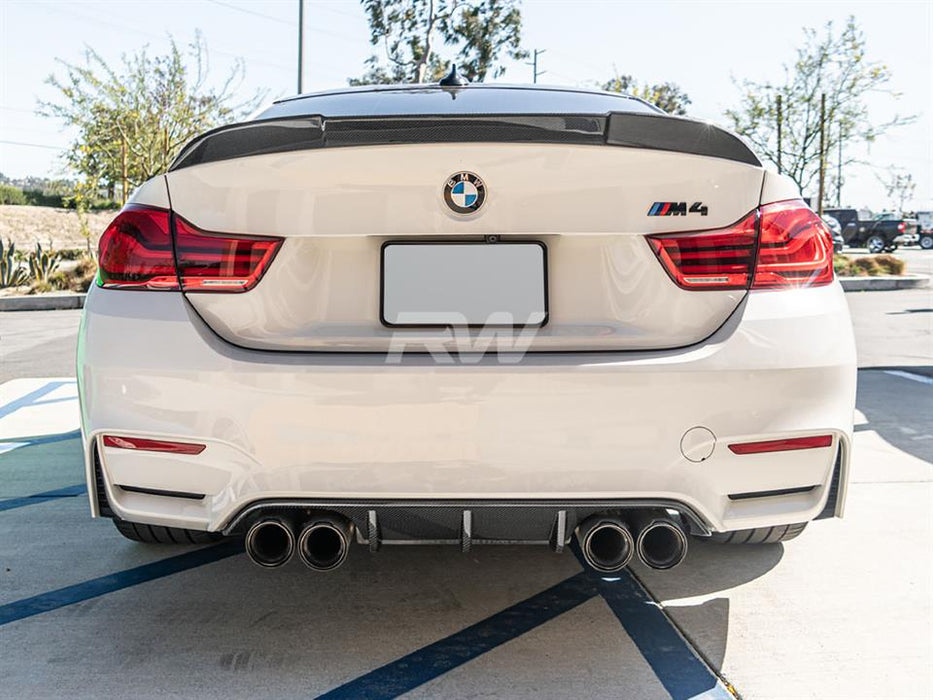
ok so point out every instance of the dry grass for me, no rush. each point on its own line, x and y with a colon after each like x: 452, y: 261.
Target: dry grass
x: 26, y: 226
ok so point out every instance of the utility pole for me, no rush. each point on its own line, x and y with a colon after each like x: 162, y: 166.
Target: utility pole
x: 301, y: 43
x: 780, y: 123
x: 123, y: 168
x: 534, y: 65
x: 839, y: 171
x: 822, y: 152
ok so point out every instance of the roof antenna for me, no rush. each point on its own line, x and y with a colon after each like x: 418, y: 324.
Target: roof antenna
x: 453, y: 79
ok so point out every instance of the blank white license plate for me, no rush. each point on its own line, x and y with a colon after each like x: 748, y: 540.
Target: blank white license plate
x: 464, y: 284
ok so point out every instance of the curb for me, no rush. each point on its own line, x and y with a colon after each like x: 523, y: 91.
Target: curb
x: 883, y: 283
x: 42, y: 302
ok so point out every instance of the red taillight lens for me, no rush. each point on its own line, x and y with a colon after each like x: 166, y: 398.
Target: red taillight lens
x: 901, y: 227
x: 209, y: 262
x: 135, y: 251
x: 795, y: 248
x: 720, y: 259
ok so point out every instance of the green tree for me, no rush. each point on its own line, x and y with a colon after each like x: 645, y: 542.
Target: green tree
x: 668, y: 96
x: 832, y: 63
x: 132, y: 119
x: 420, y: 38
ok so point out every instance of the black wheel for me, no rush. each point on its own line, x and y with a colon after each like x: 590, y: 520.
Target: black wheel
x: 875, y: 244
x: 926, y: 241
x: 156, y: 534
x: 759, y: 535
x: 890, y: 248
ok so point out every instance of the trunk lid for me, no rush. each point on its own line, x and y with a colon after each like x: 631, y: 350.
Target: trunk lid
x: 591, y: 206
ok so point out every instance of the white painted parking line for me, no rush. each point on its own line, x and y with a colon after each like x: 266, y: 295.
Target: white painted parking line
x: 35, y: 407
x: 909, y: 375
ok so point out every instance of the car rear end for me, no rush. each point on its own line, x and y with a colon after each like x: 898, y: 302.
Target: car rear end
x: 295, y: 330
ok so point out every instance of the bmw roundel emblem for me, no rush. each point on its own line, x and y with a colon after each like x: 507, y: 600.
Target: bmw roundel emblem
x: 464, y: 192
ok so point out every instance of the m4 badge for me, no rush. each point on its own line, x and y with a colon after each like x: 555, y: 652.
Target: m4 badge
x: 677, y: 209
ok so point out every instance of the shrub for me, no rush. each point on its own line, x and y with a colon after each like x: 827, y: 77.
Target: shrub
x: 866, y: 267
x: 11, y: 195
x: 42, y: 263
x: 842, y: 265
x: 37, y: 198
x: 890, y: 265
x: 12, y: 273
x: 82, y: 276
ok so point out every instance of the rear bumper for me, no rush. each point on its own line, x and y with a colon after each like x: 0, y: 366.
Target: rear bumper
x: 548, y: 427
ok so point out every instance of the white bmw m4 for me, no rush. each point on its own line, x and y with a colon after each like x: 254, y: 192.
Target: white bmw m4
x: 466, y: 315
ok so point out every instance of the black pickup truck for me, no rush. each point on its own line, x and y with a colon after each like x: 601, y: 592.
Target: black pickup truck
x: 883, y: 232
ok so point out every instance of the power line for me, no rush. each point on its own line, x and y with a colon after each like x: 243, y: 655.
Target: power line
x: 316, y: 30
x: 33, y: 145
x: 252, y: 12
x: 127, y: 28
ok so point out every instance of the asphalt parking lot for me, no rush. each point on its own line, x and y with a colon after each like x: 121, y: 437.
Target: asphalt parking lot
x: 845, y: 610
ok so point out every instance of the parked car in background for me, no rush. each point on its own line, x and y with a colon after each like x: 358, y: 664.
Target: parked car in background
x: 879, y: 233
x: 835, y: 229
x: 925, y: 229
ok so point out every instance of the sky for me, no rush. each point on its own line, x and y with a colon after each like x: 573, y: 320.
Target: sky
x: 702, y: 46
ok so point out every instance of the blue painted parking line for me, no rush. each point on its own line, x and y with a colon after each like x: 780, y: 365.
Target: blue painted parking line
x: 46, y: 602
x: 19, y: 502
x: 15, y: 443
x: 427, y: 663
x: 32, y: 396
x: 677, y: 666
x: 682, y: 673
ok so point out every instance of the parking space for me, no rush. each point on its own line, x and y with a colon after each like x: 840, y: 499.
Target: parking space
x: 842, y: 611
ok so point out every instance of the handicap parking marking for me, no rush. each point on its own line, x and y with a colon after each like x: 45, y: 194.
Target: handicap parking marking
x: 69, y: 595
x: 675, y: 662
x: 913, y: 376
x: 37, y: 407
x: 434, y: 660
x: 33, y: 499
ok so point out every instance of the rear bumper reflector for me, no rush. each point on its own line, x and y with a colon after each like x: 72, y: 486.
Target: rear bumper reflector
x: 803, y: 443
x: 134, y: 443
x: 765, y: 494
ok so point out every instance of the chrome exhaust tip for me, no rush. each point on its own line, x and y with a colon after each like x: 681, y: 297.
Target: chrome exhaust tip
x: 606, y: 543
x: 270, y: 542
x: 324, y: 543
x: 661, y: 542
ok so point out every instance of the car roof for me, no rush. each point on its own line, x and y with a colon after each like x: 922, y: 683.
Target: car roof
x: 487, y: 99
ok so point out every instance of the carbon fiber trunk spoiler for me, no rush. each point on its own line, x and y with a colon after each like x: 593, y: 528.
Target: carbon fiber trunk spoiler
x: 650, y: 131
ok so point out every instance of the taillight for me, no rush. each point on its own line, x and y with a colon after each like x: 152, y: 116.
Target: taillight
x: 213, y: 262
x: 901, y: 227
x: 135, y: 251
x: 795, y: 248
x: 780, y: 245
x: 720, y: 259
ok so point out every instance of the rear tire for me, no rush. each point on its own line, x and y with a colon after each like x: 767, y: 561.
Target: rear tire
x: 926, y: 241
x: 875, y: 244
x: 156, y: 534
x: 760, y: 535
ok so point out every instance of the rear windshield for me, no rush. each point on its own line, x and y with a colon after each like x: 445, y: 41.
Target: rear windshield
x: 474, y: 99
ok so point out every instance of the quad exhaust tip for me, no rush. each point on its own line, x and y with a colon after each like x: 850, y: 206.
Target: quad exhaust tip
x: 324, y: 542
x: 661, y: 543
x: 606, y: 543
x: 270, y: 543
